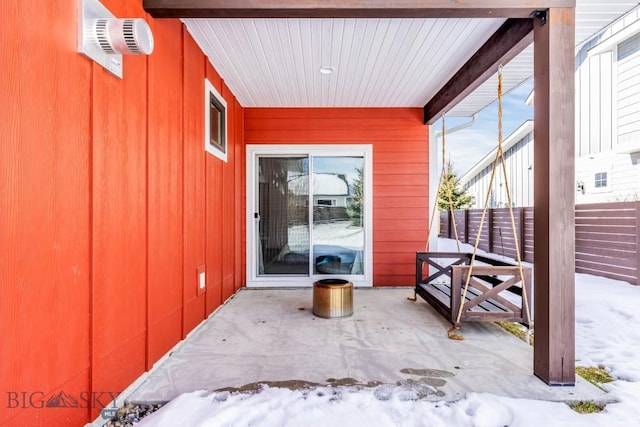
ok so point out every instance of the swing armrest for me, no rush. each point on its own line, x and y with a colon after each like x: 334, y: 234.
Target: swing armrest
x: 486, y: 287
x: 434, y: 260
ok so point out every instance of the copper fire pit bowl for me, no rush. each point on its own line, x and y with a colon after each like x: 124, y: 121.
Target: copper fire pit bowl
x: 332, y: 298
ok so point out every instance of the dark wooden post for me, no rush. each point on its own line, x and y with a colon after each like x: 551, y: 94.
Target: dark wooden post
x: 554, y: 192
x: 455, y: 299
x: 521, y: 233
x: 466, y: 226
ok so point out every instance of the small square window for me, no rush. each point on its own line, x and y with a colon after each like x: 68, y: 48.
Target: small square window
x: 601, y: 180
x: 215, y: 118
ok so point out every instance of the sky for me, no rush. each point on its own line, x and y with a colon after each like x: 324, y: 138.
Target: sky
x: 606, y: 334
x: 468, y: 146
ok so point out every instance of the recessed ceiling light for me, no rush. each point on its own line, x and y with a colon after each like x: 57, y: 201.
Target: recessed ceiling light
x: 327, y: 70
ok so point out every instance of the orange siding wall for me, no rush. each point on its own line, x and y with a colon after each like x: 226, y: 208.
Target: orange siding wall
x: 239, y: 207
x: 45, y: 219
x: 213, y: 223
x: 165, y: 188
x: 119, y: 230
x: 194, y: 197
x: 400, y: 171
x: 108, y: 205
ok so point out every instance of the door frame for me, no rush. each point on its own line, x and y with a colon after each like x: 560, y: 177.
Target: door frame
x: 253, y: 152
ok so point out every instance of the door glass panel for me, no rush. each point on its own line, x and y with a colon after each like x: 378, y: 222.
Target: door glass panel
x: 283, y: 216
x: 338, y: 215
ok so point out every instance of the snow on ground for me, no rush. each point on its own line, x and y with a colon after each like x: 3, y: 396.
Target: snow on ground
x: 336, y: 233
x: 607, y: 333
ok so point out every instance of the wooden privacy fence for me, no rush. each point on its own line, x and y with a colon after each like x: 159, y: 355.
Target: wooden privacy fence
x: 496, y: 235
x: 607, y: 236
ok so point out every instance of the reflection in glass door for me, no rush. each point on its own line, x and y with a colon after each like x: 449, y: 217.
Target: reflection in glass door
x: 283, y: 216
x: 309, y: 215
x: 338, y: 215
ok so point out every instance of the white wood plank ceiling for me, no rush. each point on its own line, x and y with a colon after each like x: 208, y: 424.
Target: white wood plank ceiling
x: 376, y: 62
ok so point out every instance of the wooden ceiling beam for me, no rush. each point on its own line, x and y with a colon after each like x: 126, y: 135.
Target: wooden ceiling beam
x: 348, y: 8
x: 507, y: 42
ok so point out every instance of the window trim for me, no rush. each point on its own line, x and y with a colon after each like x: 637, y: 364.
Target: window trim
x: 217, y: 150
x: 609, y: 176
x: 603, y: 178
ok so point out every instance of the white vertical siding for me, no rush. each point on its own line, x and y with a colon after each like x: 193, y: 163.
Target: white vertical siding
x: 608, y: 112
x: 606, y: 101
x: 518, y: 160
x: 629, y: 90
x: 582, y: 96
x: 594, y: 100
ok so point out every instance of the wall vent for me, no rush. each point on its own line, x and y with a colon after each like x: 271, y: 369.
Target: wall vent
x: 124, y: 36
x: 105, y: 38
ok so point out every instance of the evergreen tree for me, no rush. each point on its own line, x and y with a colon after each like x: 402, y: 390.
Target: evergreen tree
x: 460, y: 198
x: 354, y: 209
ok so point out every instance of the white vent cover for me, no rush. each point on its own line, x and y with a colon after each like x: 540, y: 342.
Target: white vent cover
x: 105, y: 38
x: 124, y: 36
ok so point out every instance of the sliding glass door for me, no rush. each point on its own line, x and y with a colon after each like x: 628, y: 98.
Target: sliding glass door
x: 338, y: 232
x: 283, y: 215
x: 309, y: 214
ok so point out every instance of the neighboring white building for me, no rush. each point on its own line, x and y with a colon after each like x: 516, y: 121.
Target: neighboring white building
x: 518, y: 153
x: 328, y: 189
x: 608, y: 114
x: 607, y: 126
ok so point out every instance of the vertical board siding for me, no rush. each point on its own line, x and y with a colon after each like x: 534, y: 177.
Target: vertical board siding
x: 228, y: 205
x: 607, y: 94
x: 519, y: 165
x: 108, y: 204
x: 400, y: 171
x: 194, y: 181
x: 595, y: 87
x: 594, y: 104
x: 119, y: 221
x: 240, y: 199
x: 629, y: 90
x: 45, y: 221
x: 214, y: 220
x: 165, y: 259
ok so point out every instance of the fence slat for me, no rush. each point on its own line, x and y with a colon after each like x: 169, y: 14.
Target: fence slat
x: 587, y: 245
x: 628, y: 261
x: 637, y: 206
x: 607, y: 236
x: 603, y: 238
x: 628, y: 221
x: 611, y: 229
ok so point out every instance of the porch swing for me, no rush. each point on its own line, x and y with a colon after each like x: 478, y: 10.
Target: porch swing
x: 464, y: 286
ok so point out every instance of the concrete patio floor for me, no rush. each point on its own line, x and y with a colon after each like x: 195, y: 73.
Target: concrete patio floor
x: 271, y: 336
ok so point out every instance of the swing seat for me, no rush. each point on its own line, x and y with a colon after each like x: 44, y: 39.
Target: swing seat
x: 494, y: 292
